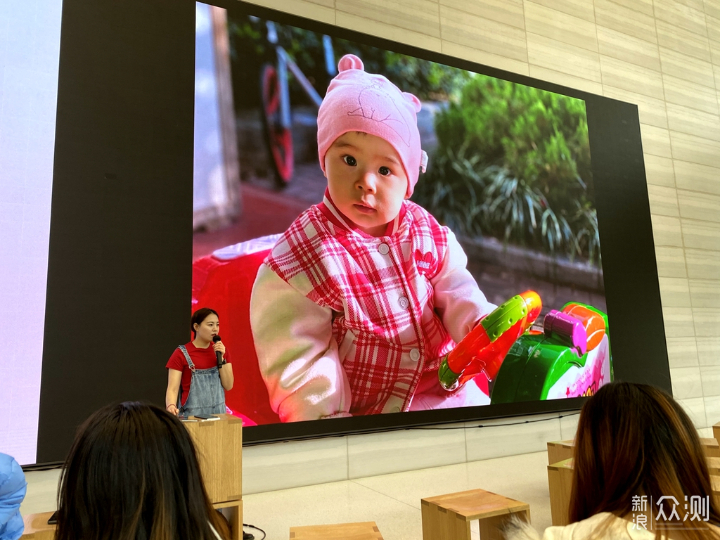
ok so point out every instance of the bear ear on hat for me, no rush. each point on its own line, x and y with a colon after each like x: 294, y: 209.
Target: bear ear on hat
x: 413, y: 100
x: 350, y: 61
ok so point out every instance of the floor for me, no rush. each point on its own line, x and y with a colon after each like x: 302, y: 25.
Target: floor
x: 392, y: 500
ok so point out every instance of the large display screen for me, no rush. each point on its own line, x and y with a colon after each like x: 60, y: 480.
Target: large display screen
x: 509, y: 172
x: 185, y: 145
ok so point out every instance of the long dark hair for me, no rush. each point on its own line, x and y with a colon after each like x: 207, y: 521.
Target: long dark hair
x: 636, y: 440
x: 133, y: 474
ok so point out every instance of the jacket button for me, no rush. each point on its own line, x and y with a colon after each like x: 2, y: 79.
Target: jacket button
x: 414, y: 355
x: 404, y: 302
x: 384, y: 249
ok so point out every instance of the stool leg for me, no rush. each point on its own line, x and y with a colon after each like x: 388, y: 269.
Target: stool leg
x: 439, y: 524
x: 491, y: 528
x: 235, y: 518
x: 430, y: 521
x: 460, y: 529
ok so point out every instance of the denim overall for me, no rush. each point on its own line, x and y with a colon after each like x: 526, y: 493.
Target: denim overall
x: 206, y: 394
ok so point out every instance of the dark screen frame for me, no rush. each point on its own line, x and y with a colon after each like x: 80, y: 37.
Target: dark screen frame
x: 122, y: 263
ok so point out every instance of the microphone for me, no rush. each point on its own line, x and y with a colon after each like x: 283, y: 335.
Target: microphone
x: 218, y: 354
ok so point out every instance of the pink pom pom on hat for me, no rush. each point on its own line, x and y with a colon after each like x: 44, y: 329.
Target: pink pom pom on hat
x: 360, y: 101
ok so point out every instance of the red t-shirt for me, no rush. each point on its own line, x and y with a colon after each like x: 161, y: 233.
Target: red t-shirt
x: 202, y: 358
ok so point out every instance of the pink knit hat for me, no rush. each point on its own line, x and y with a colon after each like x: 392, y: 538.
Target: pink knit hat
x: 359, y: 101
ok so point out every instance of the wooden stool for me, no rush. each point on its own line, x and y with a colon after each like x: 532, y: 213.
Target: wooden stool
x: 560, y: 482
x: 716, y: 431
x: 349, y: 531
x: 37, y: 528
x: 560, y: 451
x: 448, y: 516
x: 711, y: 447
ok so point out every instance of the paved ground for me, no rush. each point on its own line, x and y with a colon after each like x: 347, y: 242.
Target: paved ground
x: 499, y: 284
x: 266, y: 209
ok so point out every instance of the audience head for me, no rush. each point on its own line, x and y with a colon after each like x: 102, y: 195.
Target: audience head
x: 12, y: 493
x: 133, y: 474
x: 635, y: 440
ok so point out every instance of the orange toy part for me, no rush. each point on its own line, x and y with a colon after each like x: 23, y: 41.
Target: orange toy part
x: 489, y: 359
x: 534, y: 306
x: 593, y: 323
x: 475, y: 341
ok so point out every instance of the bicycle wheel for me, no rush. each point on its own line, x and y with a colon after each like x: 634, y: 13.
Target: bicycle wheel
x: 278, y: 138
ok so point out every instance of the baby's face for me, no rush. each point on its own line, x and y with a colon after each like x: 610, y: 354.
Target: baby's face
x: 366, y: 180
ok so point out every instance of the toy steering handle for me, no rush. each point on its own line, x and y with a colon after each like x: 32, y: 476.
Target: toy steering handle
x: 485, y: 347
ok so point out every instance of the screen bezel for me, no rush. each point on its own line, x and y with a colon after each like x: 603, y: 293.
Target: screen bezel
x: 164, y: 31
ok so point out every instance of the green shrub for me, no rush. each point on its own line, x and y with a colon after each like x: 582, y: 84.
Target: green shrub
x: 513, y: 162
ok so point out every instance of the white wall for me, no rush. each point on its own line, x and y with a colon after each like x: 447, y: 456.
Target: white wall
x: 29, y: 54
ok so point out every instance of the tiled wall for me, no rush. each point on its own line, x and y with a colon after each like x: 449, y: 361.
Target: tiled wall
x: 663, y: 55
x: 300, y: 463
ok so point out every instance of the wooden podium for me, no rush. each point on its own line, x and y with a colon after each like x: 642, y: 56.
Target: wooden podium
x: 218, y: 444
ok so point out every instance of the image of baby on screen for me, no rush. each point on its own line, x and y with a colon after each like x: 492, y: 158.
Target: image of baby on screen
x: 363, y: 295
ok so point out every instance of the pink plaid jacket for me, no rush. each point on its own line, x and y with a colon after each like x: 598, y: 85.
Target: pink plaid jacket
x: 345, y: 323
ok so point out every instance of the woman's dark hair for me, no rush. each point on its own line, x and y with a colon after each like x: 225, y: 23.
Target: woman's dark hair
x: 133, y: 474
x: 199, y: 316
x: 636, y: 440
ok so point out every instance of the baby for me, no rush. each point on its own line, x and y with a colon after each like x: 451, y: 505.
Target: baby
x: 363, y: 295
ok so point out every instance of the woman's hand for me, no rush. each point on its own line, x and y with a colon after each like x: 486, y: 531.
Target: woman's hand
x: 219, y: 347
x: 227, y: 378
x: 171, y: 395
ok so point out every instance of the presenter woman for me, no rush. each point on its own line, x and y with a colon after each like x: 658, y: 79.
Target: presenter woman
x: 194, y: 369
